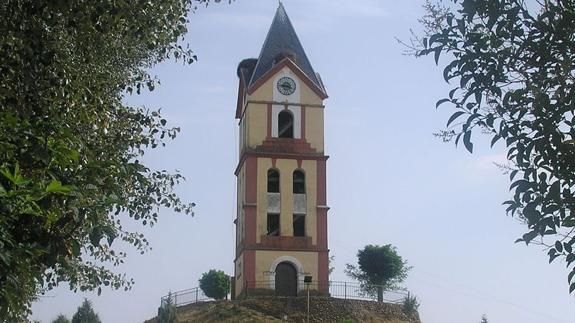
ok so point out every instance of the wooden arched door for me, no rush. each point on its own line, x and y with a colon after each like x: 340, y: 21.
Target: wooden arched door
x: 286, y: 280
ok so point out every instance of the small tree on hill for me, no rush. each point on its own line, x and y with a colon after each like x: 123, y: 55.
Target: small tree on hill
x: 61, y: 319
x: 410, y: 304
x: 215, y: 284
x: 86, y: 314
x: 484, y: 319
x: 168, y: 312
x: 379, y: 268
x: 330, y: 262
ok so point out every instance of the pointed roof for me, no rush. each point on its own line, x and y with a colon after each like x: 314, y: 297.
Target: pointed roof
x: 282, y: 41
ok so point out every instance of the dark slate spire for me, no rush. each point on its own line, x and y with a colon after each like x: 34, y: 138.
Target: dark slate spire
x: 281, y: 42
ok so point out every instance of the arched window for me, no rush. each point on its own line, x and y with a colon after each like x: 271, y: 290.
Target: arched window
x: 298, y: 182
x: 285, y: 124
x: 273, y: 181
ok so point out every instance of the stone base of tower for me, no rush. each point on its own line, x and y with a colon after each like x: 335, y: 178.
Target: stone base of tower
x: 281, y: 273
x: 272, y: 310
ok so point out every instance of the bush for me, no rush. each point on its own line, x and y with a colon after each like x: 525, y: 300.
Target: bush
x: 61, y: 319
x: 86, y: 314
x: 168, y: 312
x: 410, y: 304
x: 215, y: 284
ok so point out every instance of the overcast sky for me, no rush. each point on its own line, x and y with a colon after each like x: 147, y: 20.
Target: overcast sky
x: 389, y: 179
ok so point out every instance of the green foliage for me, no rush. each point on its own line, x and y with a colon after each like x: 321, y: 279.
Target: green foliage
x: 168, y: 312
x: 85, y: 314
x: 61, y: 319
x: 330, y: 265
x: 512, y: 67
x: 380, y: 268
x: 410, y: 304
x: 215, y: 284
x: 70, y: 148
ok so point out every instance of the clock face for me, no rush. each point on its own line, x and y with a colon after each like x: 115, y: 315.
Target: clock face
x: 286, y: 85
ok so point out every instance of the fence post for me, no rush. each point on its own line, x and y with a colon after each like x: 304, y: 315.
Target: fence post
x: 344, y: 290
x: 196, y: 294
x: 176, y: 299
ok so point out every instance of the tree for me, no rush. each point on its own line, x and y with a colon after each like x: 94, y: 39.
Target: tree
x: 330, y: 265
x: 71, y: 173
x: 215, y: 284
x: 380, y: 268
x: 410, y: 304
x: 61, y: 319
x: 168, y: 312
x: 85, y: 314
x: 512, y: 70
x: 484, y: 319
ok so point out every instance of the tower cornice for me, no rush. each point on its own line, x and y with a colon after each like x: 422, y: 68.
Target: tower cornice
x: 294, y: 156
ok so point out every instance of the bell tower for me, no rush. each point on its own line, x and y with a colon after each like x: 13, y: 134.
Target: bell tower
x: 281, y: 222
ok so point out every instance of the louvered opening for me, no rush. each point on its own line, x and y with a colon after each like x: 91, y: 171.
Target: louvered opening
x: 299, y: 225
x: 273, y: 224
x: 285, y: 124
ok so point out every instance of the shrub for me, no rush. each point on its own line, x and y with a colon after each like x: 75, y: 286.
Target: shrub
x: 61, y: 319
x: 410, y: 304
x: 86, y: 314
x: 168, y: 312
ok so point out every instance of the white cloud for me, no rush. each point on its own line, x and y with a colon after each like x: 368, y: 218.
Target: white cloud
x: 215, y: 89
x: 483, y: 168
x: 322, y: 15
x: 339, y: 8
x: 363, y: 8
x: 243, y: 20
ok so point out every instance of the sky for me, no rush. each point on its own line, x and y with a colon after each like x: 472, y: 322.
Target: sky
x: 390, y: 181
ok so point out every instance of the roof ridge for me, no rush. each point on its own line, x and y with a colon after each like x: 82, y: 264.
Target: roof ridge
x: 264, y: 45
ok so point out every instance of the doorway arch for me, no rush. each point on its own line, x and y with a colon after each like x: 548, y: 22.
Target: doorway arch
x: 285, y: 279
x: 300, y: 273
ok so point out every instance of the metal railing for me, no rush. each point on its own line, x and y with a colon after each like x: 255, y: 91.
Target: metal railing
x: 347, y: 290
x: 184, y: 297
x: 335, y: 289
